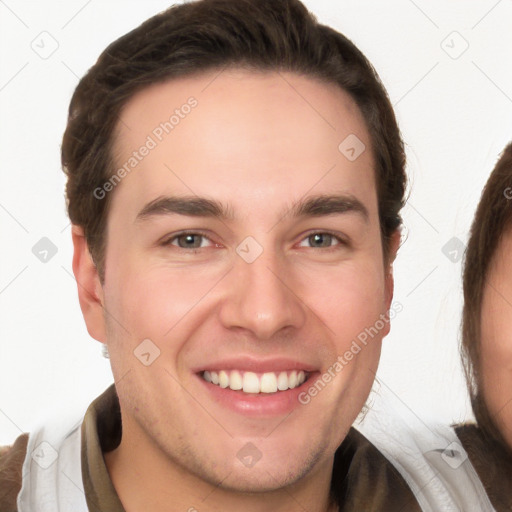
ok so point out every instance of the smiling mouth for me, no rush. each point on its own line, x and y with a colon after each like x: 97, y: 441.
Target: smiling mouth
x: 254, y: 383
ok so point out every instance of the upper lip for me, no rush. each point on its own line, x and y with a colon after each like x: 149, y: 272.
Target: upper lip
x: 256, y: 365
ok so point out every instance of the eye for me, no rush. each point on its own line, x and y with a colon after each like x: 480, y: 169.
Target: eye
x: 190, y: 240
x: 321, y: 240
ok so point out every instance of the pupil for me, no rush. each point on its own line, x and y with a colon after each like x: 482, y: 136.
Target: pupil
x: 322, y: 240
x: 189, y: 241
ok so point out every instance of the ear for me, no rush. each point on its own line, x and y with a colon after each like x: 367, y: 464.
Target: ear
x: 389, y: 285
x: 90, y: 291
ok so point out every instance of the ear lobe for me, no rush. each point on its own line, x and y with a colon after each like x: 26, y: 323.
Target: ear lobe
x: 90, y: 291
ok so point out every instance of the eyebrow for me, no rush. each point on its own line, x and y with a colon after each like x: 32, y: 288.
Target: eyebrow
x: 194, y: 206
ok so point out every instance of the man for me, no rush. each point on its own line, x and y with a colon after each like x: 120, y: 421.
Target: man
x: 235, y: 177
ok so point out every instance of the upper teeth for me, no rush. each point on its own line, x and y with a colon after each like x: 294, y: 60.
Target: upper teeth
x: 250, y: 382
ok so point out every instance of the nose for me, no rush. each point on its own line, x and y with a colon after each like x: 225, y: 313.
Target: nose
x: 260, y: 298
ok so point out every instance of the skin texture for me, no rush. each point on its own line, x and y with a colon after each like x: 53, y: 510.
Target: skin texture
x: 496, y: 347
x: 253, y: 143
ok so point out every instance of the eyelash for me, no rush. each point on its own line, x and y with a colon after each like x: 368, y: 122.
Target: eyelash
x: 341, y: 241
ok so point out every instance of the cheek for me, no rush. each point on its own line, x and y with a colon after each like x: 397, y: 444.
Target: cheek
x: 496, y: 356
x: 496, y: 334
x: 350, y: 298
x: 151, y: 299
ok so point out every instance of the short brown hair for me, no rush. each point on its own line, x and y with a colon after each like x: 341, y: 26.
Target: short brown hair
x: 492, y: 219
x: 212, y: 34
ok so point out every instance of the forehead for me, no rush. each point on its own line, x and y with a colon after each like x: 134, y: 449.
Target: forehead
x: 242, y: 135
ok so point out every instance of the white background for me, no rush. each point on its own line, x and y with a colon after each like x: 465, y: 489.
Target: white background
x: 455, y: 115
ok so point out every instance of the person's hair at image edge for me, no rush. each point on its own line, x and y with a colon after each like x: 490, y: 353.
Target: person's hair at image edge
x: 492, y: 219
x: 186, y: 39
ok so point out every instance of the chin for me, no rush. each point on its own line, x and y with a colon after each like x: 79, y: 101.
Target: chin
x: 264, y: 479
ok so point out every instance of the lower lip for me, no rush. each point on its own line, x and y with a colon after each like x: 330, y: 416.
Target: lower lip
x: 258, y: 404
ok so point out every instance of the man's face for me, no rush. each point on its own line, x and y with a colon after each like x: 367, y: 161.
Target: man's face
x: 264, y: 297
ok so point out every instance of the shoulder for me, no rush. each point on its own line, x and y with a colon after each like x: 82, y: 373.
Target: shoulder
x: 428, y: 457
x: 11, y: 463
x: 491, y: 460
x: 366, y: 480
x: 486, y: 453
